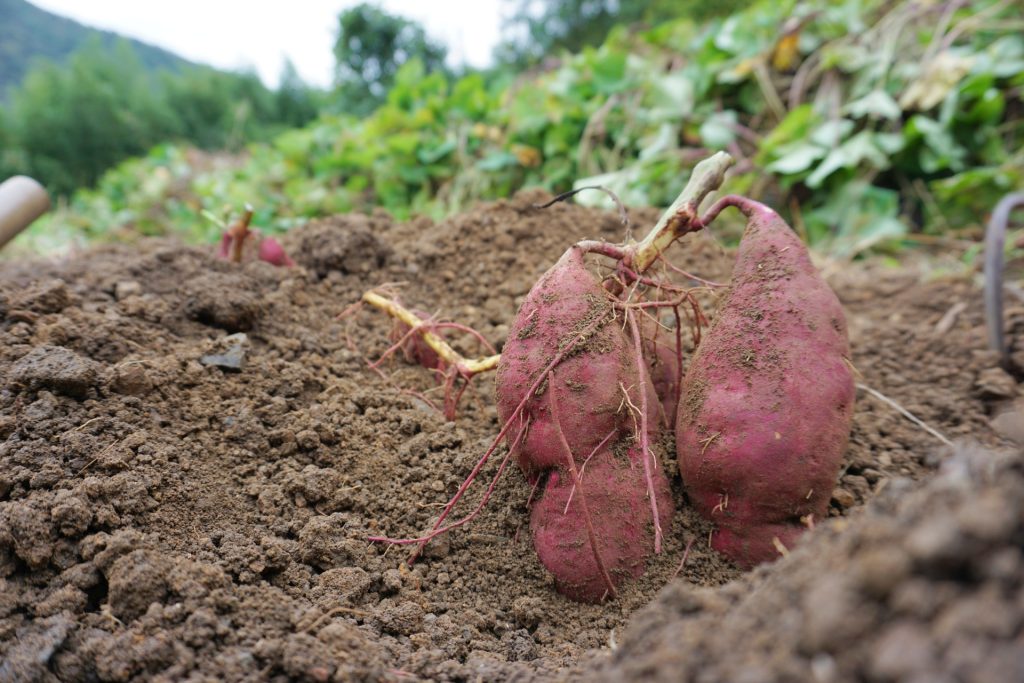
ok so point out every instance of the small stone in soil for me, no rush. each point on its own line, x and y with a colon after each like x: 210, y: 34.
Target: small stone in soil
x: 1009, y: 424
x: 126, y: 288
x: 234, y: 358
x: 132, y: 379
x: 843, y: 498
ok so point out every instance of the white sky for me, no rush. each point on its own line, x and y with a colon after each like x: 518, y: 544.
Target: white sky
x: 233, y: 34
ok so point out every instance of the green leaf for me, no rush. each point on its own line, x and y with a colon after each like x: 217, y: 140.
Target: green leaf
x: 671, y: 97
x: 497, y: 161
x: 849, y: 57
x: 609, y: 72
x: 625, y: 183
x: 1003, y: 58
x: 797, y: 160
x: 890, y: 143
x: 435, y: 154
x: 941, y: 151
x: 718, y: 130
x: 877, y: 104
x: 870, y: 230
x: 858, y: 149
x: 987, y: 110
x: 856, y: 217
x: 831, y: 133
x: 794, y: 127
x: 664, y: 140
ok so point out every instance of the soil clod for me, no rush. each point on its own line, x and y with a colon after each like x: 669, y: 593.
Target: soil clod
x: 164, y: 520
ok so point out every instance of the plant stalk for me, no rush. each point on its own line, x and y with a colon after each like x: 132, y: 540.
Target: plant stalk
x: 439, y: 345
x: 682, y: 216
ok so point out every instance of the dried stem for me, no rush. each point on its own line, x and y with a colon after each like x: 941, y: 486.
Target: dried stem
x: 905, y: 413
x: 681, y: 217
x: 239, y: 232
x: 623, y: 214
x: 449, y: 355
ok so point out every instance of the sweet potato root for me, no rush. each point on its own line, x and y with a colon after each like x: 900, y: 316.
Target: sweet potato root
x: 578, y: 406
x: 768, y: 398
x: 241, y: 243
x: 602, y: 500
x: 422, y: 341
x: 414, y: 348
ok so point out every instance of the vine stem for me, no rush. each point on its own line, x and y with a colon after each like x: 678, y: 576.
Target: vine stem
x: 465, y: 365
x: 239, y: 232
x: 681, y: 217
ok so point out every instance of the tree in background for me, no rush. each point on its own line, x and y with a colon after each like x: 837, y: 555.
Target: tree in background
x: 29, y: 33
x: 296, y: 102
x: 371, y: 46
x: 541, y: 27
x: 8, y: 154
x: 67, y: 124
x: 216, y: 110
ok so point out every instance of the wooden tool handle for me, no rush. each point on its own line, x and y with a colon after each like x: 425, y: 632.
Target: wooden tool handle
x: 22, y: 200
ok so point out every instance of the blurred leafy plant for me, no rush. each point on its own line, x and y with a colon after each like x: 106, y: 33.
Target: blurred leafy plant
x: 864, y: 120
x: 371, y: 47
x: 67, y: 124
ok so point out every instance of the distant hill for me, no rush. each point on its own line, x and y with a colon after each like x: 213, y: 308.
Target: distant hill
x: 28, y: 33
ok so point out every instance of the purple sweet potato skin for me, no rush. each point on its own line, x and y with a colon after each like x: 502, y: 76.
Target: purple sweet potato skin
x: 414, y: 348
x: 768, y: 398
x: 663, y: 366
x: 617, y: 501
x: 272, y: 252
x: 587, y: 384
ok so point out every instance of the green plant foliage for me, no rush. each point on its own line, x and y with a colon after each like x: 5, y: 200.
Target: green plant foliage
x: 539, y: 29
x: 68, y: 124
x: 28, y: 34
x: 372, y: 46
x: 862, y: 120
x: 71, y: 123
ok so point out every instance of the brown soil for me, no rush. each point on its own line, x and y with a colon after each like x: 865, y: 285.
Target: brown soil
x: 163, y: 518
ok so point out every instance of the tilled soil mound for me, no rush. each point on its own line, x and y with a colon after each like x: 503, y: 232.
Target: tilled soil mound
x: 194, y: 454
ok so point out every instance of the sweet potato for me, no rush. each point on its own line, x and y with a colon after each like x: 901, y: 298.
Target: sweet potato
x: 575, y: 381
x: 242, y: 243
x: 768, y: 397
x: 578, y: 406
x: 271, y: 251
x: 422, y: 340
x: 661, y: 351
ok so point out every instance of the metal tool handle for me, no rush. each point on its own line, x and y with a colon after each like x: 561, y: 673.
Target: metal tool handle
x: 995, y: 242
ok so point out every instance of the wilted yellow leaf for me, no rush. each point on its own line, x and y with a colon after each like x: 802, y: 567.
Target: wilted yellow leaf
x: 786, y: 51
x: 937, y: 79
x: 527, y: 156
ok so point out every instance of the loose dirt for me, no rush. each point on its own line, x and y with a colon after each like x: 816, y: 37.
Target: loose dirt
x: 194, y: 453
